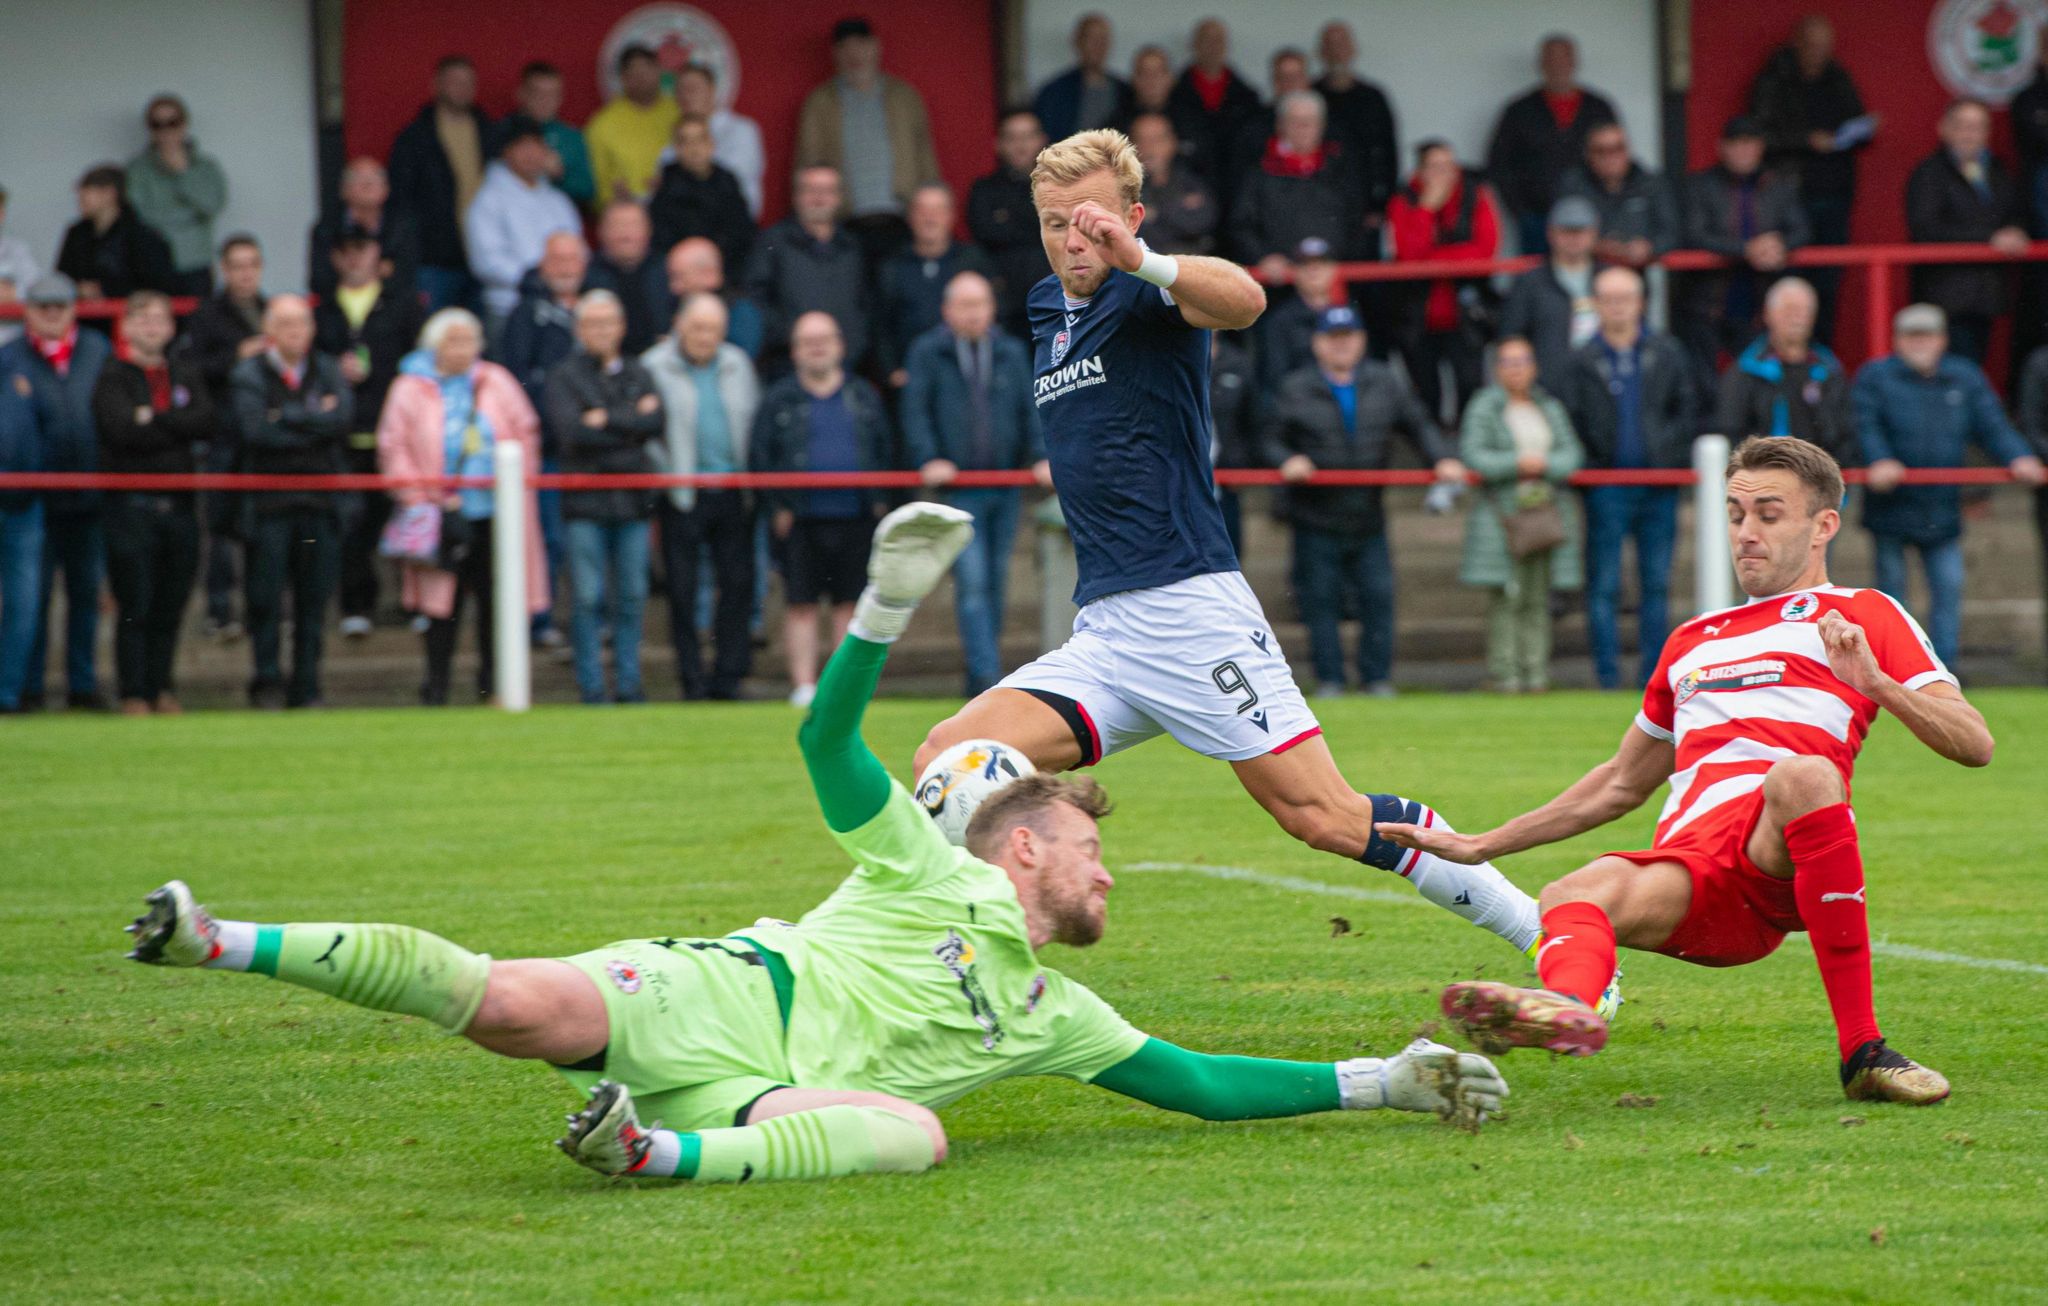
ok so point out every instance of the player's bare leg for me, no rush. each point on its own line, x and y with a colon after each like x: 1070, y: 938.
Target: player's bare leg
x: 1011, y: 716
x: 1808, y: 836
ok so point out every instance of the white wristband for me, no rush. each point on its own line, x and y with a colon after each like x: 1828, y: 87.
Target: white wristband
x: 1159, y: 269
x: 1362, y: 1083
x: 878, y: 620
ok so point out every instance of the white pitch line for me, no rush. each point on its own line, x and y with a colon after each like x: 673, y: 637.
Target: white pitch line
x: 1297, y: 884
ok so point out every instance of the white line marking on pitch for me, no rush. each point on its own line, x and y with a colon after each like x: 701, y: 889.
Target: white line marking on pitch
x: 1297, y: 884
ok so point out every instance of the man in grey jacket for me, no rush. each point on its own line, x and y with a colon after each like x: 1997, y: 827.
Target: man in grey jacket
x: 710, y: 393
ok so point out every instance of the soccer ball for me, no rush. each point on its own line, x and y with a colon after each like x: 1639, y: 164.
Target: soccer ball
x: 961, y: 779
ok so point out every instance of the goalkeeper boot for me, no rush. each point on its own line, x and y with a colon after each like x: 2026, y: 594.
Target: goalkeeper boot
x: 175, y: 931
x: 1875, y: 1073
x: 606, y: 1135
x: 1497, y: 1017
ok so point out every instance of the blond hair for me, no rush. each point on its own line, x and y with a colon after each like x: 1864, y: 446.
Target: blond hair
x: 1065, y: 162
x: 1026, y: 801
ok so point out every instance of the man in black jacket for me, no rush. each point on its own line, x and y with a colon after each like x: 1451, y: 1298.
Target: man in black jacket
x: 1631, y: 397
x: 1738, y: 209
x: 1004, y: 222
x: 226, y: 329
x: 434, y: 184
x: 368, y: 325
x: 819, y: 420
x: 365, y: 209
x: 626, y: 265
x: 154, y: 415
x: 1209, y: 104
x: 911, y: 283
x: 1962, y: 192
x: 809, y: 263
x: 1342, y: 414
x: 110, y: 252
x: 1180, y: 207
x: 696, y: 197
x: 1234, y: 412
x: 294, y: 413
x: 1361, y: 116
x: 1541, y: 135
x: 1638, y: 213
x: 1552, y: 306
x: 603, y: 409
x: 1302, y: 187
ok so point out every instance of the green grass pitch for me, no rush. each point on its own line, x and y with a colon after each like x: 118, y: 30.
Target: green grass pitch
x: 192, y: 1136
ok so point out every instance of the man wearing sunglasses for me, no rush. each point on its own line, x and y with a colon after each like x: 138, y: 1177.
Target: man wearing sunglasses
x: 178, y: 191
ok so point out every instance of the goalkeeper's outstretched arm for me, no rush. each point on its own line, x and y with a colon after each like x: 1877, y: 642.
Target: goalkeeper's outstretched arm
x: 1424, y: 1076
x: 912, y: 549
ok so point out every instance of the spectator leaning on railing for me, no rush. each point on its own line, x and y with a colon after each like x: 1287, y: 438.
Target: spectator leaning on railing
x: 1923, y: 406
x: 178, y: 191
x: 1786, y: 382
x: 1736, y: 209
x: 1639, y: 220
x: 1522, y: 534
x: 154, y: 415
x: 603, y: 409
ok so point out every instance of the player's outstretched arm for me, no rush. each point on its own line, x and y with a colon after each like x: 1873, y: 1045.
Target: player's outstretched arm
x: 912, y: 549
x: 1212, y: 293
x: 1424, y: 1076
x: 1608, y: 792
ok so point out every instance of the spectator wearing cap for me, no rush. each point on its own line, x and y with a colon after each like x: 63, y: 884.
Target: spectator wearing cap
x: 178, y: 192
x: 1737, y: 209
x: 540, y: 101
x: 226, y: 329
x: 913, y: 283
x: 968, y: 408
x: 1004, y: 222
x: 1087, y: 95
x: 62, y: 366
x: 1631, y: 398
x: 735, y: 139
x: 1302, y: 186
x: 695, y: 267
x: 1444, y: 212
x: 808, y: 262
x: 1541, y: 136
x: 110, y: 252
x: 1639, y: 218
x: 626, y: 137
x: 365, y: 210
x: 18, y: 268
x: 1180, y: 207
x: 625, y: 265
x: 1962, y: 193
x: 1924, y: 405
x: 1209, y: 103
x: 367, y: 326
x: 1518, y: 440
x: 21, y: 521
x: 873, y: 129
x: 154, y: 416
x: 1786, y: 382
x: 698, y: 196
x: 1285, y: 332
x: 437, y: 166
x: 1361, y: 116
x: 709, y: 395
x: 603, y: 409
x: 1552, y: 306
x: 1342, y: 413
x: 514, y: 212
x: 294, y: 413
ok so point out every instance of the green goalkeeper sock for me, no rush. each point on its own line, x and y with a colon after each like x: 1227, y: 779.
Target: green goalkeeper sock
x: 820, y: 1144
x: 382, y: 967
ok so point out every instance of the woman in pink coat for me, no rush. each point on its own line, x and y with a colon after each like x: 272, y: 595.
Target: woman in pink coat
x: 445, y: 413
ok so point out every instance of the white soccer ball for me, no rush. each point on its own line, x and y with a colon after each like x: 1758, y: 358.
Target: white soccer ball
x: 961, y: 779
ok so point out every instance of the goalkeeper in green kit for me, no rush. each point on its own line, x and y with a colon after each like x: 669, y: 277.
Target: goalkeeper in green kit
x: 822, y: 1048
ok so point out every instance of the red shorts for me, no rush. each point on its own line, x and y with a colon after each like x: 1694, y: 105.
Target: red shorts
x: 1738, y: 913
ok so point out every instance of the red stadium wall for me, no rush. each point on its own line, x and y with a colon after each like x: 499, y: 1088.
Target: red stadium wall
x: 947, y: 52
x: 1883, y: 44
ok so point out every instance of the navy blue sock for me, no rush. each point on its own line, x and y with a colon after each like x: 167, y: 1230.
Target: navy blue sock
x: 1385, y: 853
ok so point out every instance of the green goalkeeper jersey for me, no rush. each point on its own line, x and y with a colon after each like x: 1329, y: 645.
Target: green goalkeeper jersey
x: 917, y: 976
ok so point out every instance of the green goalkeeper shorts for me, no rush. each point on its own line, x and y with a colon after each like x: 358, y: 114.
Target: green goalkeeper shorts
x: 696, y: 1027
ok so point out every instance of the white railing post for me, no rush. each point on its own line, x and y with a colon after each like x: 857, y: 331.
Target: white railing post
x: 1713, y: 571
x: 510, y: 622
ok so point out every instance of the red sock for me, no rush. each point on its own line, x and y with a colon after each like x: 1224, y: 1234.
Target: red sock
x: 1827, y: 883
x: 1576, y: 955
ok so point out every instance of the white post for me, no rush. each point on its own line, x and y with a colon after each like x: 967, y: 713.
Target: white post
x: 510, y: 623
x: 1714, y: 573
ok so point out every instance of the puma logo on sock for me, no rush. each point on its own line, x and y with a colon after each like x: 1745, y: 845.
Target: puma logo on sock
x: 1844, y: 897
x: 328, y: 956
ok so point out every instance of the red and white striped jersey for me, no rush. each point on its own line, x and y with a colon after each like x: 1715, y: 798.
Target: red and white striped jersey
x: 1740, y: 689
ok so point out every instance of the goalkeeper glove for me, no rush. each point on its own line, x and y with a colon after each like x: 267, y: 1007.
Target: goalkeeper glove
x: 1423, y: 1076
x: 912, y: 549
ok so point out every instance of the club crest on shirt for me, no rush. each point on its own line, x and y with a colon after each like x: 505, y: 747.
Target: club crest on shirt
x: 1799, y: 607
x: 1034, y: 993
x: 1060, y: 343
x: 624, y: 974
x: 1748, y: 674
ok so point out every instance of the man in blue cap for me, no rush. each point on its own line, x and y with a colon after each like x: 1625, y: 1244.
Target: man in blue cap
x: 1341, y: 413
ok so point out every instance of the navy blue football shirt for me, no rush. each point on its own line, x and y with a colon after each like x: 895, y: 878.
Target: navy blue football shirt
x: 1122, y: 387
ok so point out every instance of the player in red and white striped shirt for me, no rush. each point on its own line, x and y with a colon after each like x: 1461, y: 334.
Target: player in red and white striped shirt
x: 1755, y: 716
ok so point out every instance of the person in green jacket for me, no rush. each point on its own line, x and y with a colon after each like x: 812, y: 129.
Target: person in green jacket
x: 1520, y: 443
x: 178, y: 191
x: 822, y: 1048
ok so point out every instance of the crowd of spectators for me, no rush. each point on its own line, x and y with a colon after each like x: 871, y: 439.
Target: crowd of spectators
x: 607, y: 297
